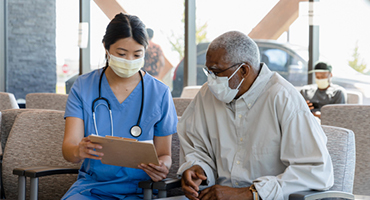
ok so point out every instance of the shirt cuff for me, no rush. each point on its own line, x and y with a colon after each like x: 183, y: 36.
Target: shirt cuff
x: 268, y: 188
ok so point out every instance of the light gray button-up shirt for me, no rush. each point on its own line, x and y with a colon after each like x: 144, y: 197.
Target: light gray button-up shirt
x: 268, y: 137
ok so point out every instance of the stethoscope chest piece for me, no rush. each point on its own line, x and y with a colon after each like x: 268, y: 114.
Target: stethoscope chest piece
x: 135, y: 131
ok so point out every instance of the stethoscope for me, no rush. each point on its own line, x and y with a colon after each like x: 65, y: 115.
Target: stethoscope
x: 135, y: 129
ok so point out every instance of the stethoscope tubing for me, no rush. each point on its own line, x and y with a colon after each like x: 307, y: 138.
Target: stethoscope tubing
x: 134, y: 129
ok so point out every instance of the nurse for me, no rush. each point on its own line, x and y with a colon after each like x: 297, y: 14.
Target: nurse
x: 122, y: 96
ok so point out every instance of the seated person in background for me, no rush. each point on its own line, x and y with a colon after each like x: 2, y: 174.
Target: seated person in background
x: 323, y: 92
x: 248, y: 133
x: 154, y: 58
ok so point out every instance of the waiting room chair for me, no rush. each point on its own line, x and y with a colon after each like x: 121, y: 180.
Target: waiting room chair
x: 341, y: 146
x: 35, y: 142
x: 6, y: 125
x: 357, y: 119
x: 50, y: 101
x: 354, y: 97
x: 181, y: 104
x: 175, y: 189
x: 190, y: 91
x: 8, y: 118
x: 7, y: 101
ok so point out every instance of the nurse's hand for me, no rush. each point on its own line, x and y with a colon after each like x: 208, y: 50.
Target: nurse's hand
x: 156, y: 172
x: 86, y: 150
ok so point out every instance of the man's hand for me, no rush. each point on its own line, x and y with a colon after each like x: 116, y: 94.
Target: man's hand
x: 218, y: 192
x: 317, y: 114
x: 190, y: 181
x: 310, y: 105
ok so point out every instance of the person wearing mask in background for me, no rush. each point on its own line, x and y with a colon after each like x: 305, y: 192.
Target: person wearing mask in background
x: 323, y: 92
x: 248, y: 133
x: 110, y: 101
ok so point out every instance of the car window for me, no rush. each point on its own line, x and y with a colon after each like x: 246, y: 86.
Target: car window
x: 276, y: 60
x: 287, y: 65
x: 297, y: 72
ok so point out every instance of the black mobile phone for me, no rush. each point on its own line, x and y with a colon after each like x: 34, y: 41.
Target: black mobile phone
x: 315, y: 104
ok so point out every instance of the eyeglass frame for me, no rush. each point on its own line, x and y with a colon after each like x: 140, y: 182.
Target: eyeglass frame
x: 214, y: 74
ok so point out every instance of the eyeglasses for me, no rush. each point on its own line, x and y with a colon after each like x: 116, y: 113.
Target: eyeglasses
x: 214, y: 74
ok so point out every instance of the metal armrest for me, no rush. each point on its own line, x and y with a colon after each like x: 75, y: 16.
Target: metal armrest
x: 22, y: 180
x: 161, y: 186
x: 147, y: 187
x: 311, y: 195
x: 166, y: 184
x: 47, y: 170
x: 34, y: 173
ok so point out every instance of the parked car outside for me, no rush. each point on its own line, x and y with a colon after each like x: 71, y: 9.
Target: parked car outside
x: 290, y: 61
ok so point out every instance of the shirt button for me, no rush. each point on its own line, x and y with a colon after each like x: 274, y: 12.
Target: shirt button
x: 238, y: 162
x: 241, y: 139
x: 240, y: 116
x: 236, y: 183
x: 249, y: 104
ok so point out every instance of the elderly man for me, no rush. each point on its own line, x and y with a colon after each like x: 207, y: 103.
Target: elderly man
x: 248, y: 133
x: 323, y: 92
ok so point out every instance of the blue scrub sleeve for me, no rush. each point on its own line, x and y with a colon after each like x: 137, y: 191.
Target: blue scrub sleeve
x: 168, y: 122
x: 74, y: 106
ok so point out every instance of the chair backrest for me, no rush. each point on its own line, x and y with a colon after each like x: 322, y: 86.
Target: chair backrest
x: 181, y: 104
x: 357, y: 119
x: 50, y: 101
x: 354, y: 97
x: 175, y: 155
x: 190, y: 91
x: 8, y: 118
x: 7, y: 101
x: 341, y: 147
x: 36, y: 140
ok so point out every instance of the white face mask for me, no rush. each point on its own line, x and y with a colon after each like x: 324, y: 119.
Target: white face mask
x: 220, y: 87
x: 125, y: 68
x: 322, y: 83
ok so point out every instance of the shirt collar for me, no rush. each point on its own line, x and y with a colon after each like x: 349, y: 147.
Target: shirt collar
x: 255, y: 90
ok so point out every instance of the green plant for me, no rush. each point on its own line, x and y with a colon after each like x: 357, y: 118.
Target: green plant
x: 178, y: 42
x: 355, y: 63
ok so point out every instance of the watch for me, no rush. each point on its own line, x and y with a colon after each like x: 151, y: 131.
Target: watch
x: 252, y: 188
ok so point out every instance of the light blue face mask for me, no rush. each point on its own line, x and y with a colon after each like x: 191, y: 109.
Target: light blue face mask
x: 219, y: 87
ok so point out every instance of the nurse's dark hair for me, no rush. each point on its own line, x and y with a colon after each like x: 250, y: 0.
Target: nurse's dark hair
x: 125, y: 26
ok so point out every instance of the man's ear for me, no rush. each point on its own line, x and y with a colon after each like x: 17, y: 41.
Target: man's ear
x: 245, y: 69
x: 330, y: 75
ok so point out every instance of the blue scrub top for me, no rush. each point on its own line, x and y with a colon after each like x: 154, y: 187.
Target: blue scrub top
x: 159, y: 118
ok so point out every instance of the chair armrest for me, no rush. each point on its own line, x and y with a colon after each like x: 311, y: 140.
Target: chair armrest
x: 48, y: 170
x: 311, y: 195
x: 21, y: 170
x: 168, y: 183
x: 146, y: 184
